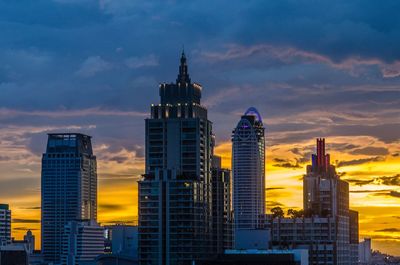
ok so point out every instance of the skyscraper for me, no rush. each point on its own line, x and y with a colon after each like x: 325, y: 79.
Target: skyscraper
x: 248, y: 166
x: 69, y: 188
x: 5, y: 224
x: 175, y: 221
x: 325, y: 194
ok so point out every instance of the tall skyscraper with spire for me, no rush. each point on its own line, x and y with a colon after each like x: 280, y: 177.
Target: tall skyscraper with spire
x: 69, y: 188
x: 175, y: 208
x: 248, y: 168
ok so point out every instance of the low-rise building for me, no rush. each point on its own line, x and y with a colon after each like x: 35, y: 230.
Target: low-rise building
x: 257, y: 257
x: 325, y: 238
x: 83, y: 241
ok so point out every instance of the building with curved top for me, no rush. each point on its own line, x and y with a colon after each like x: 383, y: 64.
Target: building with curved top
x: 248, y: 166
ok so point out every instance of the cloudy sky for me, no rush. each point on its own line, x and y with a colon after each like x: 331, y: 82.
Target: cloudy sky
x: 312, y: 68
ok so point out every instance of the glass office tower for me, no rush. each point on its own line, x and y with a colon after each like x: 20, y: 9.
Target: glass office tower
x: 69, y: 188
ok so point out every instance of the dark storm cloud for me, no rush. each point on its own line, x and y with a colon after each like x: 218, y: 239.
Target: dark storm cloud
x: 274, y: 188
x: 59, y: 57
x: 390, y: 180
x: 32, y: 208
x: 272, y: 204
x: 288, y: 164
x: 371, y: 151
x: 19, y: 186
x: 384, y: 180
x: 25, y: 221
x: 360, y: 182
x: 24, y: 229
x: 111, y: 207
x: 388, y: 230
x: 360, y: 161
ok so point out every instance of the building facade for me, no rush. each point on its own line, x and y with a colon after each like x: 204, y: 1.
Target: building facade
x: 83, y: 241
x: 325, y: 238
x: 124, y: 240
x: 69, y: 188
x: 248, y: 169
x: 324, y: 193
x: 365, y: 252
x: 5, y: 225
x: 175, y: 223
x: 221, y: 207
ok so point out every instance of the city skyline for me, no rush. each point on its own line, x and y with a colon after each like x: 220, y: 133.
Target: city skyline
x: 303, y: 91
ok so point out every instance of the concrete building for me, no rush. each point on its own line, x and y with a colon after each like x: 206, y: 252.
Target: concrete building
x: 69, y: 188
x: 365, y: 252
x: 175, y: 224
x: 124, y: 240
x: 325, y: 238
x: 5, y: 224
x: 248, y: 169
x: 222, y: 218
x: 83, y: 242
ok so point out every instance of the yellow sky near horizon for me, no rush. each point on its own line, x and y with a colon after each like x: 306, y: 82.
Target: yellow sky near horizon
x: 378, y: 202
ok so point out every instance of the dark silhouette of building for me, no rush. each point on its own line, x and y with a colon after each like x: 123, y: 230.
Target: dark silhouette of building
x: 175, y: 223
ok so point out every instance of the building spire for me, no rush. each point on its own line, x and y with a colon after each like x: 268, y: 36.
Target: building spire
x: 183, y: 76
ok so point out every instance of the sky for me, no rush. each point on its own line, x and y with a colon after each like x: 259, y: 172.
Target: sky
x: 312, y: 68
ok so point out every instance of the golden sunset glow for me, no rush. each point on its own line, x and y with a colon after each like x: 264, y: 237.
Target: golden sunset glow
x: 377, y: 202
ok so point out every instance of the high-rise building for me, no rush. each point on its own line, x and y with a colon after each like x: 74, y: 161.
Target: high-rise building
x: 221, y: 207
x: 248, y: 169
x: 83, y: 241
x: 325, y: 194
x: 5, y: 225
x: 69, y: 188
x: 175, y: 221
x: 328, y: 229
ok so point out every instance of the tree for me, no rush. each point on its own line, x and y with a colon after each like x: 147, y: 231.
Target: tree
x: 295, y: 214
x: 277, y: 212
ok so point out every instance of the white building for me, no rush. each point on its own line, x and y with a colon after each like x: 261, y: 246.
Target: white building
x: 83, y: 241
x: 364, y: 252
x: 5, y: 225
x: 248, y: 166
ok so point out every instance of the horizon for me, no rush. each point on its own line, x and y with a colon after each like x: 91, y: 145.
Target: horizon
x: 94, y: 67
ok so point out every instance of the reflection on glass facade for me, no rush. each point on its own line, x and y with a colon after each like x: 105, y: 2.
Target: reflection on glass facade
x: 69, y: 188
